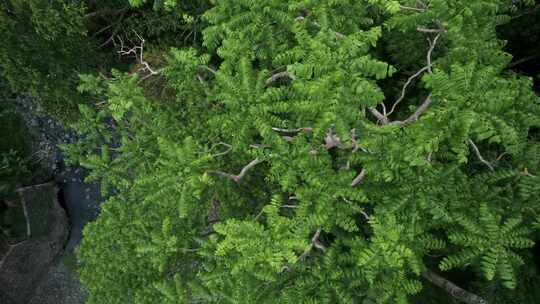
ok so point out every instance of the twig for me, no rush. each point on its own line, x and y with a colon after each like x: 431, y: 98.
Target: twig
x: 358, y: 178
x: 138, y: 52
x: 243, y: 172
x: 454, y: 290
x: 477, y: 151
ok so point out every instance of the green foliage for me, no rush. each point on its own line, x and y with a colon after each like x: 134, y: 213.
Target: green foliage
x: 268, y: 175
x: 45, y: 47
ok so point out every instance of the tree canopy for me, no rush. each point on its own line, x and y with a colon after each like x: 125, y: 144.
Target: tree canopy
x: 314, y: 152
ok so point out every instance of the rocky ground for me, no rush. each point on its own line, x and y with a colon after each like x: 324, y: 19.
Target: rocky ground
x: 81, y: 200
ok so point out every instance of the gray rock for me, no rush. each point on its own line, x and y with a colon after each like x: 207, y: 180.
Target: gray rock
x: 23, y: 264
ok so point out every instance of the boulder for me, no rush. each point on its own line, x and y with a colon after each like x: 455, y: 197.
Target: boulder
x: 23, y: 263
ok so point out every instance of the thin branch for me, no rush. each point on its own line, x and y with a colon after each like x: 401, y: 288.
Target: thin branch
x: 414, y: 117
x: 480, y: 157
x: 430, y: 51
x: 138, y: 52
x: 105, y: 12
x: 407, y: 83
x: 522, y: 60
x: 243, y: 172
x: 314, y: 243
x: 408, y: 8
x: 278, y: 76
x: 454, y: 290
x: 229, y: 148
x: 354, y: 141
x: 432, y: 45
x: 209, y: 69
x: 293, y: 131
x: 358, y: 178
x: 428, y: 30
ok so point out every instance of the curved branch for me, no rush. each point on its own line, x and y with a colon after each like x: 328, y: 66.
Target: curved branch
x: 243, y: 172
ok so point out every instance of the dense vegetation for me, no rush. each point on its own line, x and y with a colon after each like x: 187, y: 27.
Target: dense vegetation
x: 297, y: 151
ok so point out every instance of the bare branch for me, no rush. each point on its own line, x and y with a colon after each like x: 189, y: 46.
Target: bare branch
x: 293, y: 131
x: 138, y: 52
x: 364, y: 214
x: 278, y: 76
x: 314, y: 243
x: 522, y: 60
x: 209, y: 69
x: 354, y: 141
x: 414, y: 117
x: 428, y: 30
x: 331, y: 140
x: 105, y: 12
x: 407, y: 83
x: 243, y: 172
x: 408, y: 8
x: 430, y: 51
x: 229, y: 148
x: 380, y: 117
x: 477, y: 151
x: 358, y: 178
x: 454, y: 290
x: 432, y: 45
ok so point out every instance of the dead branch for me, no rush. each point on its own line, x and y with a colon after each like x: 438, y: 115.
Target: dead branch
x: 479, y: 155
x: 454, y: 290
x: 314, y: 243
x: 138, y: 53
x: 243, y: 172
x: 358, y: 178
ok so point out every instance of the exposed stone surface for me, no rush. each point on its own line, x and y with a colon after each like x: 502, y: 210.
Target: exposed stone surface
x: 60, y: 286
x: 24, y: 263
